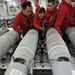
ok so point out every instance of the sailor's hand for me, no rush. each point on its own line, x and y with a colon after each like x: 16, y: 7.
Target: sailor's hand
x: 45, y: 24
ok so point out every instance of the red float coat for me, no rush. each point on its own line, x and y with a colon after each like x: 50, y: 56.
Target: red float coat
x: 21, y: 23
x: 64, y: 16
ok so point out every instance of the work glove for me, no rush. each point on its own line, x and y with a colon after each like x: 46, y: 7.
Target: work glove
x: 45, y: 24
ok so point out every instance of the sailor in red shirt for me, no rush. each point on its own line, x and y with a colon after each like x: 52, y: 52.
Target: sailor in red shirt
x: 36, y: 3
x: 32, y: 14
x: 51, y: 13
x: 39, y: 19
x: 22, y: 21
x: 64, y: 15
